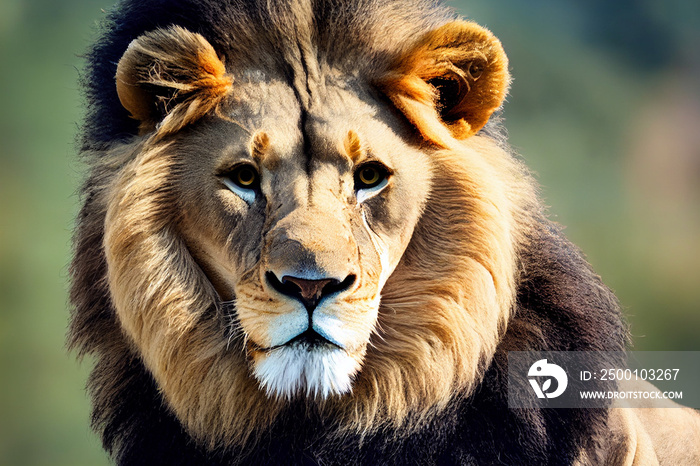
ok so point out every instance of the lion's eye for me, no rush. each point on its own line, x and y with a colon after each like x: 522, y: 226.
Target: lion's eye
x: 370, y: 176
x: 244, y: 176
x: 370, y: 179
x: 244, y: 181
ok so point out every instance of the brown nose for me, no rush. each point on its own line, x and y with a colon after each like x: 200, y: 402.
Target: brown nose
x: 309, y: 292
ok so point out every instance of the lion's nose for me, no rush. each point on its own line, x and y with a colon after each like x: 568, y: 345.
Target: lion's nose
x: 309, y: 292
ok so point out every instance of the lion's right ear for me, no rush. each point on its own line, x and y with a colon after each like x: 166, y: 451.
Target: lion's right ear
x: 450, y: 81
x: 169, y: 78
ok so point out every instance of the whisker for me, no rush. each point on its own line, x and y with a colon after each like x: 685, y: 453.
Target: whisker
x: 232, y: 325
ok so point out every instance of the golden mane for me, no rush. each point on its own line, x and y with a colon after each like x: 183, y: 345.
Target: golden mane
x: 447, y: 304
x: 442, y: 312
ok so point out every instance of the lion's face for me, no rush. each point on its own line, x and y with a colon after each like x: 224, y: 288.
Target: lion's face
x: 331, y: 238
x: 299, y: 219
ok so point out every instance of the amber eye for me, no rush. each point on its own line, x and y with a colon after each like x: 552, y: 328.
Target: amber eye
x: 370, y: 175
x: 244, y: 176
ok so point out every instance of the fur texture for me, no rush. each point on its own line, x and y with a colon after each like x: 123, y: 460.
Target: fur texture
x: 206, y: 354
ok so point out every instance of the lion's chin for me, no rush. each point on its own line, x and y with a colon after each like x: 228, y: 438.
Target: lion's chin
x: 300, y: 368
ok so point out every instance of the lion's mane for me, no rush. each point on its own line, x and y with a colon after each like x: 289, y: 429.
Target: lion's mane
x: 494, y: 273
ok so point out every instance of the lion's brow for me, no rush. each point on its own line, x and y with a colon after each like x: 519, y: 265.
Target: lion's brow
x: 353, y: 146
x: 260, y: 150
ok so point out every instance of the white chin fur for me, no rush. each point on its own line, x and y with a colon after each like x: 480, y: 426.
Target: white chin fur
x: 298, y: 368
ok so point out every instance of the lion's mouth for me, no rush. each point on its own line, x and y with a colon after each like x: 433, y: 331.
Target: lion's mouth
x: 307, y: 365
x: 309, y: 339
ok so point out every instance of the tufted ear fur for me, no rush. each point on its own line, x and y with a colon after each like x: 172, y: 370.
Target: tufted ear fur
x: 450, y: 81
x: 169, y: 78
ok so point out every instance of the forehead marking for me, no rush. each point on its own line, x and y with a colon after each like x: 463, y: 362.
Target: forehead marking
x: 260, y: 150
x: 353, y: 146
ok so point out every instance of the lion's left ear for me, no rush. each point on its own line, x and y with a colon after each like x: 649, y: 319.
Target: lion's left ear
x: 452, y: 79
x: 169, y: 78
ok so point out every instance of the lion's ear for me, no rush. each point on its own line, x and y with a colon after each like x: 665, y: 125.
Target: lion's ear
x: 169, y: 78
x: 453, y: 78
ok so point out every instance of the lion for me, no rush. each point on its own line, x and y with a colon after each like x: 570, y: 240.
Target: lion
x: 304, y: 240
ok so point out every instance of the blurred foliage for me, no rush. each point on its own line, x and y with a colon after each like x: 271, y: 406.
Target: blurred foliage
x: 44, y: 412
x: 605, y: 108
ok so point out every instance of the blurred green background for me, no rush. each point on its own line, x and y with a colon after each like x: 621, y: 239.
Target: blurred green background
x: 605, y: 108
